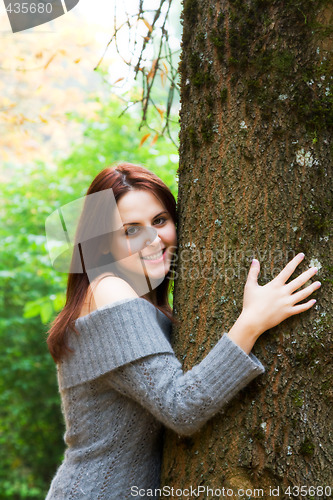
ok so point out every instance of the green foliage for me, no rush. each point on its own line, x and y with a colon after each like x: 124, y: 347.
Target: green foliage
x: 114, y: 138
x: 30, y: 418
x: 32, y: 292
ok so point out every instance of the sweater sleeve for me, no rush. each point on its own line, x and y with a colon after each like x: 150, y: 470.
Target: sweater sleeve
x: 184, y: 402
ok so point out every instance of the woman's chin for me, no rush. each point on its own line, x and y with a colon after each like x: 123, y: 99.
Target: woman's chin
x: 138, y: 275
x: 157, y: 270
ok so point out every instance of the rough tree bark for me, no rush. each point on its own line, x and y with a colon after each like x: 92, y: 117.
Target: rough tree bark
x: 255, y: 181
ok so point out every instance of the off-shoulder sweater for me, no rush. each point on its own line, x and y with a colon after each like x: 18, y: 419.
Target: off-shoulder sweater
x: 119, y: 387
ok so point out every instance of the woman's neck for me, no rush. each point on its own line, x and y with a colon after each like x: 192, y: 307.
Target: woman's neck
x: 151, y: 296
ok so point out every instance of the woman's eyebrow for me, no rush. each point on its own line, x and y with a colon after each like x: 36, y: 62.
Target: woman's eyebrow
x: 137, y: 223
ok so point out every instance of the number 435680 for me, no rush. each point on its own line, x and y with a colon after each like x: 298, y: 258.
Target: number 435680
x: 29, y: 8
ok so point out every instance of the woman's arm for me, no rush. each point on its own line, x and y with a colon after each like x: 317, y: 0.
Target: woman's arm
x: 185, y: 402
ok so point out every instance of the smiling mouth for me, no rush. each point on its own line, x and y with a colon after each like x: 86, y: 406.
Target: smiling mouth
x: 154, y: 256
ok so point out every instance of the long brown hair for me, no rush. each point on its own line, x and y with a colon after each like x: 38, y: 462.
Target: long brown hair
x: 121, y: 178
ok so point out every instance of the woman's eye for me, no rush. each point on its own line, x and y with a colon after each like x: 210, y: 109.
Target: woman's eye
x: 134, y: 230
x: 131, y: 231
x: 163, y: 219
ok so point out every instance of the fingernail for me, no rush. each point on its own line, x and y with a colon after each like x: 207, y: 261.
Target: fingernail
x: 318, y: 284
x: 301, y: 255
x: 254, y: 261
x: 315, y: 269
x: 314, y: 301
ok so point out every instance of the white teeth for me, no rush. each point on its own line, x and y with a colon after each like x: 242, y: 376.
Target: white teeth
x: 154, y: 256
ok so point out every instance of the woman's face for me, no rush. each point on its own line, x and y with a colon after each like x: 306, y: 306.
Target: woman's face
x: 147, y: 234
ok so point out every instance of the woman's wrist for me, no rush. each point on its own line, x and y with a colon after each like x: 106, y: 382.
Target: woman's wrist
x: 245, y: 333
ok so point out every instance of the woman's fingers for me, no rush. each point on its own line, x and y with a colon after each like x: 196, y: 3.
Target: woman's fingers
x: 303, y: 294
x: 252, y: 277
x: 287, y: 271
x: 301, y: 279
x: 303, y: 307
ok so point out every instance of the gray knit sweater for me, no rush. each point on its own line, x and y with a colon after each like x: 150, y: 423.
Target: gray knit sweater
x: 118, y: 388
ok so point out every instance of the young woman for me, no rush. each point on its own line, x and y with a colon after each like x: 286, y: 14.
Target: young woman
x: 119, y: 379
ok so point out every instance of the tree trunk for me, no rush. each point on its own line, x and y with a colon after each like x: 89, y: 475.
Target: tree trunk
x: 255, y: 181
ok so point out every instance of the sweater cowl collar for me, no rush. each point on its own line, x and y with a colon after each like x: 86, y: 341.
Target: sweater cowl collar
x: 112, y: 336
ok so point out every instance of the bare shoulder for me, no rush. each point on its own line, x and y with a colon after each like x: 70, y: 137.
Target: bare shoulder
x: 105, y: 290
x: 110, y: 289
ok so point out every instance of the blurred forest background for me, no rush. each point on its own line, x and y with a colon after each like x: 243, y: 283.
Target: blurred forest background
x: 61, y: 122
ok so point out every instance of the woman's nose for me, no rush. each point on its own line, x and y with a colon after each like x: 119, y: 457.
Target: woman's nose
x: 156, y: 241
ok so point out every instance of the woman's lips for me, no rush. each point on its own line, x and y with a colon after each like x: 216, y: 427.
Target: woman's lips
x: 155, y: 257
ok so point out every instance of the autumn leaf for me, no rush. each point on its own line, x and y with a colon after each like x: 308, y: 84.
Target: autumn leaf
x: 144, y: 138
x: 50, y: 60
x: 161, y: 112
x: 34, y: 106
x: 163, y: 78
x: 152, y: 71
x: 149, y: 26
x: 154, y: 140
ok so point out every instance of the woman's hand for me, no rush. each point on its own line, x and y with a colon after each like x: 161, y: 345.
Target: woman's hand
x: 267, y: 306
